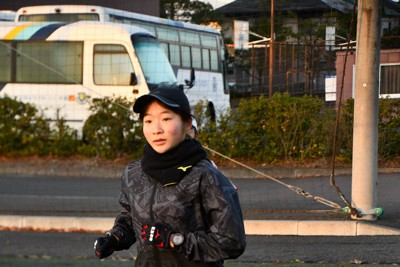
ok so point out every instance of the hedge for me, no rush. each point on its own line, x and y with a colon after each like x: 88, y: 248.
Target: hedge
x: 261, y: 130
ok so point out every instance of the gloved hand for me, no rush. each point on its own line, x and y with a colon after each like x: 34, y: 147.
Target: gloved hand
x: 105, y: 246
x: 157, y: 234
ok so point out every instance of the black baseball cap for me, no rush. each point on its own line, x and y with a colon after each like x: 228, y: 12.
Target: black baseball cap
x: 172, y: 97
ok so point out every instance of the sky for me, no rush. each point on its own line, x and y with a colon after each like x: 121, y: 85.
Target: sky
x: 218, y: 3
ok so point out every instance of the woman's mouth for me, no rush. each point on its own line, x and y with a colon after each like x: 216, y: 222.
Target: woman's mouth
x: 159, y: 142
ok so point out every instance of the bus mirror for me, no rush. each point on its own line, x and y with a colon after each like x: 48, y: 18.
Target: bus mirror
x: 192, y: 76
x: 133, y: 80
x: 192, y: 79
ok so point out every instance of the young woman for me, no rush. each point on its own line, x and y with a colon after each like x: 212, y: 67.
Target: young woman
x: 179, y: 208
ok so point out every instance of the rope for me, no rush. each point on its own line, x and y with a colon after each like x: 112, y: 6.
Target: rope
x: 353, y: 211
x: 291, y: 187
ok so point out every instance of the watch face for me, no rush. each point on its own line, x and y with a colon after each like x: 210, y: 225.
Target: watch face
x: 177, y: 239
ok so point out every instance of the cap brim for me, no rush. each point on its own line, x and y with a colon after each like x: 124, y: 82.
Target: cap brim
x: 142, y: 102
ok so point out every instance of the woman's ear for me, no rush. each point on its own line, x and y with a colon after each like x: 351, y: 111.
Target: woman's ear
x: 188, y: 124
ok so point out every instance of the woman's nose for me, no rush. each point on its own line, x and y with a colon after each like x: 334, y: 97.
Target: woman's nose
x: 157, y: 129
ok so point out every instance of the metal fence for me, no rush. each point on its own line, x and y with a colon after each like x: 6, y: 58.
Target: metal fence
x: 298, y: 68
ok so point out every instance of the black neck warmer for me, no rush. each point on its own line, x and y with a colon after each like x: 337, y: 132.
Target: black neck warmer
x: 170, y: 167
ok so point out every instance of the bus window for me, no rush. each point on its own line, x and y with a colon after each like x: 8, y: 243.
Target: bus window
x: 153, y: 60
x: 214, y: 60
x: 165, y: 47
x: 60, y: 17
x: 175, y: 55
x: 116, y: 19
x: 208, y: 40
x: 7, y: 15
x: 5, y: 70
x: 112, y: 65
x: 189, y: 38
x: 49, y: 62
x: 186, y: 62
x: 164, y: 34
x: 196, y: 58
x: 206, y: 58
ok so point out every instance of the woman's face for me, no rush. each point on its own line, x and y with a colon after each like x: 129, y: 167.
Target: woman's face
x: 163, y: 128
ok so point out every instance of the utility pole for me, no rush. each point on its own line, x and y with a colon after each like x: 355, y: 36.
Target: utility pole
x: 365, y: 129
x: 271, y: 51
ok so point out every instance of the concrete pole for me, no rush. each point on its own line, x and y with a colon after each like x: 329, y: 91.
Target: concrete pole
x: 365, y: 131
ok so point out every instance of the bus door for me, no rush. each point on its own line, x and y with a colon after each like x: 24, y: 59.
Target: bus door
x: 111, y: 71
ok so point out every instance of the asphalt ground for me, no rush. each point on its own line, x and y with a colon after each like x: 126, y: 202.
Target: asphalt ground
x: 76, y: 249
x: 91, y: 168
x: 32, y: 248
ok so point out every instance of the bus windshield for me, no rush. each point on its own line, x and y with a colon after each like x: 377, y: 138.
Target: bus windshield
x: 153, y: 61
x: 60, y: 17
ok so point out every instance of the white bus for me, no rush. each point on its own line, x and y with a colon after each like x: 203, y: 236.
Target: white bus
x: 187, y: 45
x: 7, y: 15
x: 62, y: 67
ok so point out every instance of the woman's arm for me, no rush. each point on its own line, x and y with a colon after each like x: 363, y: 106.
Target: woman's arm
x: 225, y: 238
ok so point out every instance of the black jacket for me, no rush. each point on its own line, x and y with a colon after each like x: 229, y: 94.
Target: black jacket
x: 204, y: 206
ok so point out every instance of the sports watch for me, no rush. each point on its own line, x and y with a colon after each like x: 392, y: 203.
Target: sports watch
x: 177, y: 239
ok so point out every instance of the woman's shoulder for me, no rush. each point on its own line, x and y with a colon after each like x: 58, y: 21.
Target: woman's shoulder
x: 205, y: 164
x: 132, y: 168
x: 211, y: 173
x: 208, y: 168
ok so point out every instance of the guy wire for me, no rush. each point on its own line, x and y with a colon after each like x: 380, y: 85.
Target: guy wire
x: 353, y: 211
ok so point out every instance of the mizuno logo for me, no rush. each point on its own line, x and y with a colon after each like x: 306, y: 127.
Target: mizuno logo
x: 184, y: 168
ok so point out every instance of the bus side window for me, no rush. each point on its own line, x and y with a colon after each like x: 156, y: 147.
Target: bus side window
x: 49, y: 62
x: 196, y: 58
x: 175, y: 55
x: 5, y: 55
x: 112, y: 65
x: 165, y: 47
x: 206, y: 59
x: 214, y: 60
x: 172, y: 51
x: 186, y: 62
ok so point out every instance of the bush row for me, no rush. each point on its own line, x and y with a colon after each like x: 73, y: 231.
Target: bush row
x: 262, y: 130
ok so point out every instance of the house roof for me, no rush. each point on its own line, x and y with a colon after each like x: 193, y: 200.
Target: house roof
x: 247, y: 7
x: 255, y: 7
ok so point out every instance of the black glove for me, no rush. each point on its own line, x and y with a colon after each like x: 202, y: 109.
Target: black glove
x: 123, y: 229
x: 105, y: 246
x: 157, y: 234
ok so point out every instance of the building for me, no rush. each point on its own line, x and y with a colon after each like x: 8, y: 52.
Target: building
x: 305, y: 37
x: 389, y: 74
x: 292, y: 13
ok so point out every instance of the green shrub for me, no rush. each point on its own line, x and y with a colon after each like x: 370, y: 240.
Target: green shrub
x: 215, y: 135
x: 273, y: 129
x: 261, y: 130
x: 64, y: 140
x: 344, y: 147
x: 23, y: 132
x: 111, y: 130
x: 389, y: 128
